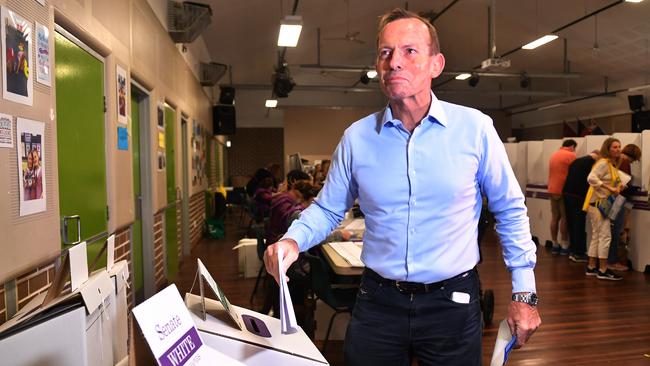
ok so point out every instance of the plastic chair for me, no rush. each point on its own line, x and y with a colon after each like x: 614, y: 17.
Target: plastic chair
x: 341, y: 300
x: 261, y: 248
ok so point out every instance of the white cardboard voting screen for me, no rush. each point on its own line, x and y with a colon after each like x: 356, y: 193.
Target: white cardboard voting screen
x: 170, y: 332
x: 110, y: 252
x: 204, y: 274
x: 78, y: 265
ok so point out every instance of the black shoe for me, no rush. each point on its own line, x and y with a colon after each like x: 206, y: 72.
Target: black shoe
x: 591, y: 271
x: 555, y: 250
x: 579, y: 258
x: 608, y: 275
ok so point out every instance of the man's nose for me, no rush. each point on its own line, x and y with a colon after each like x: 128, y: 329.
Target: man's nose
x: 395, y: 61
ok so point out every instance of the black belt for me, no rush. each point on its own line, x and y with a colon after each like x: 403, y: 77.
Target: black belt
x: 407, y: 287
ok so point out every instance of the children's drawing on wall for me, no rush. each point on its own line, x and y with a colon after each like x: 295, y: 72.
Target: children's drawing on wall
x: 16, y: 35
x: 43, y: 55
x: 198, y: 154
x: 31, y: 165
x: 122, y: 96
x: 6, y: 130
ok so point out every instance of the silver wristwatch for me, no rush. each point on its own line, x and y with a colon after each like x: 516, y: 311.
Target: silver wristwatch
x: 529, y: 298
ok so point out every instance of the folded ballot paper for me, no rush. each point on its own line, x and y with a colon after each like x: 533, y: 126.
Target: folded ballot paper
x: 287, y: 315
x: 504, y: 344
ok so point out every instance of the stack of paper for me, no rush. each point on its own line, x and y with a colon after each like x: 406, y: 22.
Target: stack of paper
x: 287, y: 316
x: 503, y: 345
x: 350, y: 251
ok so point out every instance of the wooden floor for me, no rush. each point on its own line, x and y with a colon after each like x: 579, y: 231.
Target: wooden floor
x: 585, y: 321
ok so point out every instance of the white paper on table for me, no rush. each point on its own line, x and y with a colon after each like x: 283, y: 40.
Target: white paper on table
x: 350, y: 251
x: 287, y: 315
x: 78, y: 265
x: 110, y: 252
x: 356, y: 225
x: 503, y: 345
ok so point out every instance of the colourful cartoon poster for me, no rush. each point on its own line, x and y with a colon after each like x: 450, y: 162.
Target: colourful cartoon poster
x: 16, y: 33
x: 30, y: 137
x: 43, y: 55
x: 122, y: 95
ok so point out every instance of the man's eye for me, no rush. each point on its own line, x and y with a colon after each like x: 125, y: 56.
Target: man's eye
x: 384, y: 53
x: 411, y: 51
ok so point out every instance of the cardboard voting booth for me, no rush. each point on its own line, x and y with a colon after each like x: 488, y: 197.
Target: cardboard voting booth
x: 71, y: 329
x: 119, y: 313
x: 249, y: 263
x: 261, y: 343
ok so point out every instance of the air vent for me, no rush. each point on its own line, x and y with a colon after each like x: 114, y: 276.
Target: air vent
x: 186, y: 20
x: 211, y: 73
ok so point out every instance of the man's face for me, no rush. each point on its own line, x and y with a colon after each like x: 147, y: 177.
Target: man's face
x: 405, y: 63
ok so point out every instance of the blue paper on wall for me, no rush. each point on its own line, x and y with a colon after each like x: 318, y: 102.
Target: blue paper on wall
x: 122, y: 138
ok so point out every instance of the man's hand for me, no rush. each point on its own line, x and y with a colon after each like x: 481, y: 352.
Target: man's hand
x: 290, y: 251
x: 523, y: 320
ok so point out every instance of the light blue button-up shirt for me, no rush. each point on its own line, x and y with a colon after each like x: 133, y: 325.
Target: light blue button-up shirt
x: 421, y: 196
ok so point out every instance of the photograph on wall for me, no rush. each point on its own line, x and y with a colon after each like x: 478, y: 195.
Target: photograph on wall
x: 16, y: 33
x: 43, y: 55
x: 122, y: 95
x: 6, y: 130
x: 161, y: 116
x: 162, y: 160
x: 198, y: 160
x: 30, y: 136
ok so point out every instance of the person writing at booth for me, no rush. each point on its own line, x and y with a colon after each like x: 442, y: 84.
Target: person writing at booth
x: 418, y: 169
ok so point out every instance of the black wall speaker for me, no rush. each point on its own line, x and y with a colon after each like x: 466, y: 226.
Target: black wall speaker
x: 640, y: 121
x: 227, y: 95
x: 636, y: 102
x: 224, y: 120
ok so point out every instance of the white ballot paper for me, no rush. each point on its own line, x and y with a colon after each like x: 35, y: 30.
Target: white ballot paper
x: 170, y: 332
x: 287, y: 315
x: 350, y: 251
x: 503, y: 345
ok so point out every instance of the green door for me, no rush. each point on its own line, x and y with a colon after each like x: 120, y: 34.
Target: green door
x: 171, y: 249
x: 137, y: 194
x: 79, y: 78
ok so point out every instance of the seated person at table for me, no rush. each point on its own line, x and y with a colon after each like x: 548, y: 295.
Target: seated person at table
x: 293, y: 177
x: 262, y: 198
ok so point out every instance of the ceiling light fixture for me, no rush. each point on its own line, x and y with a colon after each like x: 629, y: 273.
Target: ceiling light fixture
x: 271, y: 103
x: 463, y: 76
x: 540, y: 41
x: 473, y: 80
x: 371, y: 74
x: 290, y: 29
x: 633, y: 1
x: 228, y: 143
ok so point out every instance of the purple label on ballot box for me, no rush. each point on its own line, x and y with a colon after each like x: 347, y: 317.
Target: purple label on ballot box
x: 182, y: 350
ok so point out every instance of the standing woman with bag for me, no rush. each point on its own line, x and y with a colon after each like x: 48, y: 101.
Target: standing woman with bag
x: 604, y: 182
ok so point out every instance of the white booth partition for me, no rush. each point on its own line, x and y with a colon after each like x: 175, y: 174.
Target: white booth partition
x: 536, y: 194
x: 535, y: 167
x: 594, y: 142
x: 632, y: 138
x: 581, y: 148
x: 518, y: 156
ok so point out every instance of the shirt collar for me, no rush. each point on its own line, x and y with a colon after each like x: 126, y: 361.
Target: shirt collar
x: 436, y: 114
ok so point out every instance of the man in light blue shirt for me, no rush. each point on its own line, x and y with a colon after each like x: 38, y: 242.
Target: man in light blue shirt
x: 419, y: 168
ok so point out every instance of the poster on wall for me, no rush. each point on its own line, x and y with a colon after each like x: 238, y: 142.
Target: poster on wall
x: 16, y: 33
x: 43, y: 55
x: 6, y: 130
x: 122, y: 95
x: 30, y: 136
x: 162, y: 161
x: 161, y: 117
x: 198, y: 154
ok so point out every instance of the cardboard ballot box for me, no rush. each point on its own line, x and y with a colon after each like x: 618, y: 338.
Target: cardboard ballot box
x: 249, y: 263
x: 260, y: 343
x: 70, y: 330
x: 119, y: 273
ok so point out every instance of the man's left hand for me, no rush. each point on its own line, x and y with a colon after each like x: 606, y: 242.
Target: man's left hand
x: 523, y: 320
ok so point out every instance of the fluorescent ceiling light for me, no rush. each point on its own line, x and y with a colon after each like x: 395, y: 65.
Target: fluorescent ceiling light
x: 463, y: 76
x: 541, y: 41
x: 271, y: 103
x: 371, y: 74
x: 290, y: 29
x: 633, y: 1
x: 637, y: 88
x: 228, y: 143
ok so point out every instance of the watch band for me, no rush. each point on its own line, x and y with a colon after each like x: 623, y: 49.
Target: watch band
x: 529, y: 298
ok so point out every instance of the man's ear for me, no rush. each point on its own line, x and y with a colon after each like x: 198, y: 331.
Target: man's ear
x: 437, y: 65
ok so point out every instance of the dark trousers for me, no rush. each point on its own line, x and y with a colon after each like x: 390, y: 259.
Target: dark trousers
x: 576, y: 220
x: 389, y: 327
x: 617, y: 228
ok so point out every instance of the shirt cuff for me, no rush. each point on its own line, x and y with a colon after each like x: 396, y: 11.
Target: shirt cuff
x: 298, y: 237
x: 523, y: 280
